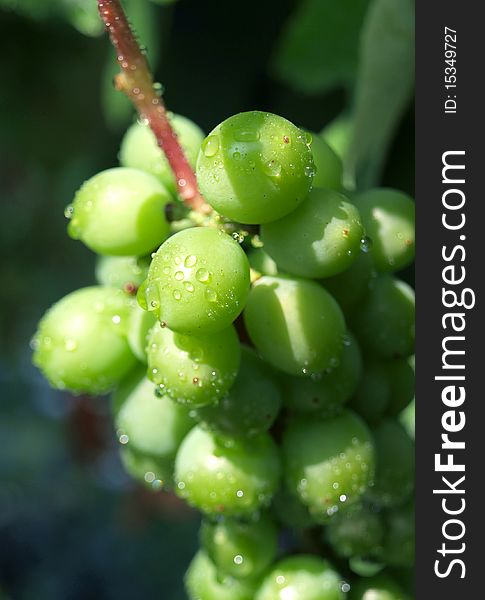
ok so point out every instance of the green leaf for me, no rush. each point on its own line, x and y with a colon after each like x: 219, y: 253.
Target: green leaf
x: 318, y: 49
x: 384, y: 87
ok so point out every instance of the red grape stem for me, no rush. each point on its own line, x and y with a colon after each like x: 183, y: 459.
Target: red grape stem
x: 136, y: 81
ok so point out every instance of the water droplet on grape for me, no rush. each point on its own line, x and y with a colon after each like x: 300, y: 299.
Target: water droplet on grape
x: 308, y: 138
x: 272, y: 168
x: 177, y: 295
x: 188, y: 286
x: 211, y: 295
x: 68, y: 211
x: 190, y: 261
x: 210, y: 146
x: 366, y: 244
x: 179, y: 275
x: 203, y: 275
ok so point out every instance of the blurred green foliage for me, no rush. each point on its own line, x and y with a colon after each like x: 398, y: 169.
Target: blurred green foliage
x: 72, y: 526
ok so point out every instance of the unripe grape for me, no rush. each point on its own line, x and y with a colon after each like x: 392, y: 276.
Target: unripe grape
x: 203, y: 582
x: 351, y: 286
x: 329, y: 464
x: 384, y: 324
x: 295, y: 325
x: 238, y: 548
x: 140, y: 150
x: 139, y: 325
x: 304, y: 577
x: 321, y: 238
x: 198, y: 281
x: 252, y: 403
x: 124, y: 272
x: 328, y: 165
x: 222, y: 475
x: 338, y: 135
x: 255, y: 167
x: 379, y: 587
x: 400, y: 540
x: 120, y: 212
x: 154, y: 472
x: 81, y: 342
x: 261, y: 262
x: 372, y: 397
x: 327, y: 393
x: 389, y: 221
x: 193, y: 370
x: 148, y: 423
x: 402, y: 383
x: 357, y: 532
x: 408, y: 418
x: 394, y: 477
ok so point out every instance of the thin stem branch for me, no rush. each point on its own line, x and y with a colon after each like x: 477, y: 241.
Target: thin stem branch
x: 136, y: 81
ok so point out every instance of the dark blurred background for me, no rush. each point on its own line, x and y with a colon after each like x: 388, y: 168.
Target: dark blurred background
x: 72, y: 524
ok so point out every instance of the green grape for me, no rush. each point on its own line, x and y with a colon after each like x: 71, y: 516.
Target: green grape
x: 304, y: 577
x: 203, y: 582
x: 80, y: 343
x: 350, y: 287
x: 295, y: 325
x: 372, y: 397
x: 240, y: 549
x: 388, y: 217
x: 124, y: 272
x: 148, y: 423
x: 328, y: 165
x: 379, y: 587
x: 154, y: 472
x: 338, y: 135
x: 193, y: 370
x: 408, y: 418
x: 399, y: 546
x: 222, y: 475
x: 402, y: 383
x: 262, y: 263
x: 394, y: 477
x: 251, y: 405
x: 139, y: 325
x: 140, y: 150
x: 290, y: 511
x: 255, y: 167
x: 384, y: 324
x: 120, y: 212
x: 198, y: 281
x: 359, y: 532
x: 327, y: 393
x: 329, y: 464
x: 321, y: 238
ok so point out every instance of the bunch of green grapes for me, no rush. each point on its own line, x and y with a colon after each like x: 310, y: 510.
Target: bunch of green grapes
x: 259, y: 356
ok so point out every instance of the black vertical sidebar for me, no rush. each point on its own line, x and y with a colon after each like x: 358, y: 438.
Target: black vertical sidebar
x: 450, y: 223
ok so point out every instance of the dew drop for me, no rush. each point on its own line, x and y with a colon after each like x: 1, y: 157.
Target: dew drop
x: 210, y: 146
x: 179, y: 275
x: 69, y: 211
x: 272, y: 168
x: 188, y: 286
x: 190, y: 261
x: 177, y: 295
x: 366, y: 244
x: 203, y: 275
